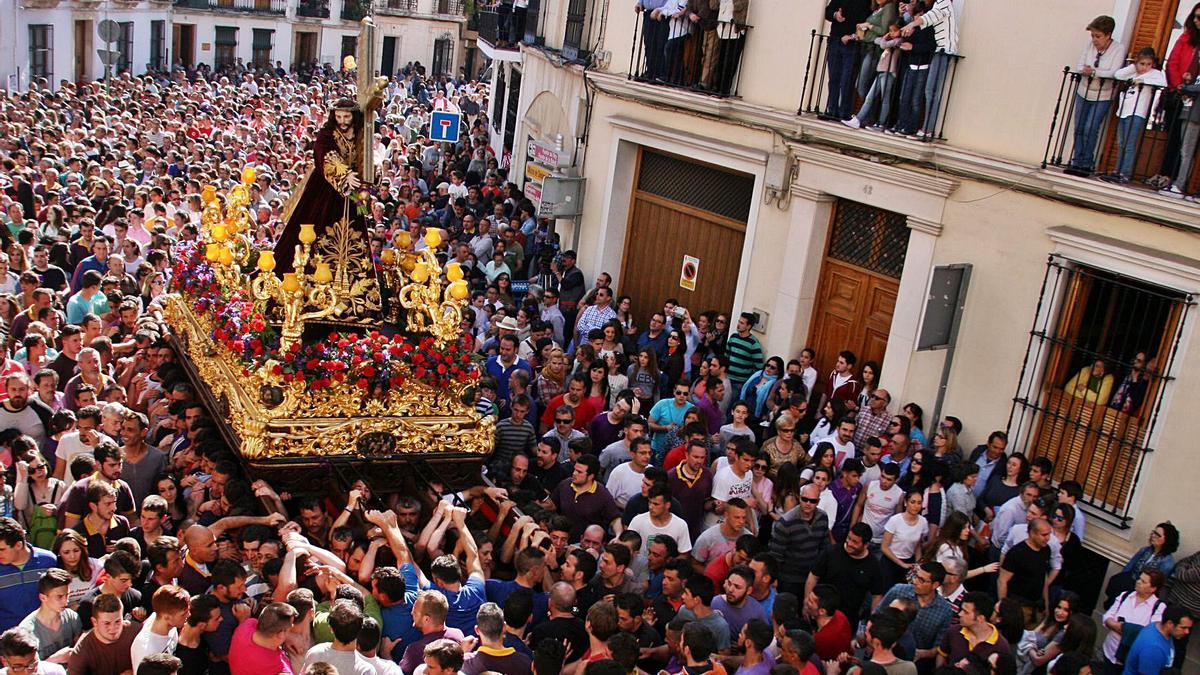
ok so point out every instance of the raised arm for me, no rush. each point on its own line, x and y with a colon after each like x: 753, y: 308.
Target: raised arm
x: 459, y: 516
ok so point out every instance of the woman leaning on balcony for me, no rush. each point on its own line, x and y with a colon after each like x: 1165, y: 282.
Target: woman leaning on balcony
x: 1099, y: 62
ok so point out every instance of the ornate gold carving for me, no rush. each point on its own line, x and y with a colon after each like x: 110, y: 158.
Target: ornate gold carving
x: 343, y: 249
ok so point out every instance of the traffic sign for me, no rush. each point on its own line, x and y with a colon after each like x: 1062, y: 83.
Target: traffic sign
x: 109, y: 57
x: 108, y: 30
x: 444, y: 126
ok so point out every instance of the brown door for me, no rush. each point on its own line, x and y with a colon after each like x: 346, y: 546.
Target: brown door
x: 854, y: 311
x: 860, y: 277
x: 661, y: 232
x: 83, y: 48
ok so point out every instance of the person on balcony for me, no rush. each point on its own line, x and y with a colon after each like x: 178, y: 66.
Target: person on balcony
x: 654, y: 38
x: 841, y: 55
x: 1099, y: 62
x: 1181, y: 67
x: 731, y: 32
x: 884, y: 14
x: 1133, y: 108
x: 679, y: 29
x: 919, y: 46
x: 1092, y: 383
x: 943, y: 18
x: 1187, y: 151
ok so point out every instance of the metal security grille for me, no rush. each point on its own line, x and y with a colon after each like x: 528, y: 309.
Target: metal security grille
x: 701, y: 186
x: 1100, y: 356
x: 870, y: 238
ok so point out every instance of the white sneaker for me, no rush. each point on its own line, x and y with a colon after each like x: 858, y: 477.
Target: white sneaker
x: 853, y: 123
x: 1172, y: 192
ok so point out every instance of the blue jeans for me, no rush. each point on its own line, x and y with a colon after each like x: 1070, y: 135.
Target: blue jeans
x: 840, y: 59
x: 939, y: 68
x: 911, y: 88
x: 1089, y: 117
x: 1129, y: 132
x: 866, y: 71
x: 881, y: 91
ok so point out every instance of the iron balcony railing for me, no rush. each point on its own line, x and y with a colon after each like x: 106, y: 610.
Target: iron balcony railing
x: 504, y: 26
x: 261, y: 6
x: 675, y: 52
x: 1125, y: 132
x: 911, y: 97
x: 313, y: 9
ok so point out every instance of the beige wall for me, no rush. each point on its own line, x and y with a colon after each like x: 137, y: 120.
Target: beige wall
x: 1003, y: 97
x: 1002, y: 233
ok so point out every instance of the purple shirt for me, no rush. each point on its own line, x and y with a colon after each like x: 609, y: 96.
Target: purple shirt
x: 845, y: 500
x: 712, y: 414
x: 414, y: 654
x: 603, y: 432
x: 737, y: 617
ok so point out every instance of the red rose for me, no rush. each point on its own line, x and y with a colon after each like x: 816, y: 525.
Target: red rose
x: 362, y: 383
x: 368, y: 371
x: 356, y: 360
x: 295, y: 347
x: 378, y: 356
x: 277, y: 369
x: 441, y: 369
x: 398, y: 338
x: 339, y: 377
x: 419, y: 372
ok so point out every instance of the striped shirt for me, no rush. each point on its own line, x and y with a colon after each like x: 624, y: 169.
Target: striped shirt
x: 512, y: 438
x: 745, y: 356
x: 18, y: 586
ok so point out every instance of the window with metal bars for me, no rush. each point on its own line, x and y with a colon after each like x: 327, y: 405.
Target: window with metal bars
x: 1099, y: 359
x: 498, y: 97
x: 576, y: 35
x: 125, y: 46
x: 158, y: 44
x: 41, y: 51
x: 226, y: 46
x: 443, y: 56
x: 510, y: 120
x: 702, y: 186
x: 261, y: 47
x: 870, y: 238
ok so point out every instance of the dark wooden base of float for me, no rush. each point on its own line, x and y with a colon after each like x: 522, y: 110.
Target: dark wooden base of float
x: 404, y: 474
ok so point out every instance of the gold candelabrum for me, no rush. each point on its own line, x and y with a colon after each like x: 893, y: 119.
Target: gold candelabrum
x: 226, y: 225
x: 297, y: 291
x: 431, y: 308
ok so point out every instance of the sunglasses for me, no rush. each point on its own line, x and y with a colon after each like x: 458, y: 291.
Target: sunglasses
x: 559, y: 420
x: 760, y: 467
x: 809, y: 500
x: 787, y: 430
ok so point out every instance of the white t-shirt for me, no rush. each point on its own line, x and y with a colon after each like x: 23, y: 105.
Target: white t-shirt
x: 829, y: 505
x: 148, y: 642
x: 841, y: 452
x: 623, y: 483
x: 726, y: 486
x: 346, y: 662
x: 69, y: 446
x: 676, y: 528
x: 880, y: 505
x: 906, y: 538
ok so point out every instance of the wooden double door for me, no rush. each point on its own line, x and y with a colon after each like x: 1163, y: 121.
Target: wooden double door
x: 661, y: 232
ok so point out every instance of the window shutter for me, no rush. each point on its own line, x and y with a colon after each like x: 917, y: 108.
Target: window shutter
x: 1155, y: 21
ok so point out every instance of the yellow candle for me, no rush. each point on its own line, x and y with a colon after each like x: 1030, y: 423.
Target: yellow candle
x: 388, y: 256
x: 454, y: 271
x: 226, y: 256
x: 266, y: 260
x: 248, y: 175
x: 323, y: 275
x: 433, y: 238
x: 219, y: 232
x: 307, y: 234
x: 420, y: 273
x: 458, y: 290
x: 403, y: 239
x: 212, y: 252
x: 290, y: 283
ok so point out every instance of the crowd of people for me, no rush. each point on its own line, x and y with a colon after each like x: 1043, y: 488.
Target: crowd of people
x: 660, y: 498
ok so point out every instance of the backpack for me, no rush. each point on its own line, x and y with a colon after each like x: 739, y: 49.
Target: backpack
x: 1130, y: 631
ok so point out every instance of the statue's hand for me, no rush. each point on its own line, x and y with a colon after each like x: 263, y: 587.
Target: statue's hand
x: 352, y: 181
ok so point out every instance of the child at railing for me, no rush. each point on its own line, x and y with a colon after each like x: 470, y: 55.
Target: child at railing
x: 1133, y: 109
x: 881, y: 88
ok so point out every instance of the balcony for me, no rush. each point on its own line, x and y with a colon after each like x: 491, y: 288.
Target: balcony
x: 354, y: 10
x: 256, y: 6
x: 912, y: 102
x: 450, y: 7
x: 313, y: 9
x: 397, y: 6
x: 495, y: 40
x: 1123, y: 132
x: 682, y: 62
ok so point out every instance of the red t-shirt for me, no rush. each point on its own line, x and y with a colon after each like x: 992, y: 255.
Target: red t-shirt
x: 834, y: 638
x: 717, y: 570
x: 584, y: 412
x: 674, y: 456
x: 247, y: 658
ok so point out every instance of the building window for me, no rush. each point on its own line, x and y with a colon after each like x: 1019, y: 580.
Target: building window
x: 498, y: 98
x: 226, y: 46
x: 349, y: 45
x: 125, y: 47
x: 1099, y: 359
x: 261, y: 47
x: 158, y: 44
x: 577, y: 38
x: 443, y: 56
x: 514, y: 99
x: 870, y: 238
x: 41, y: 51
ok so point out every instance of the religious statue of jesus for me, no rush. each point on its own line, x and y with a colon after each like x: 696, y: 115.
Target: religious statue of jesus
x: 341, y: 171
